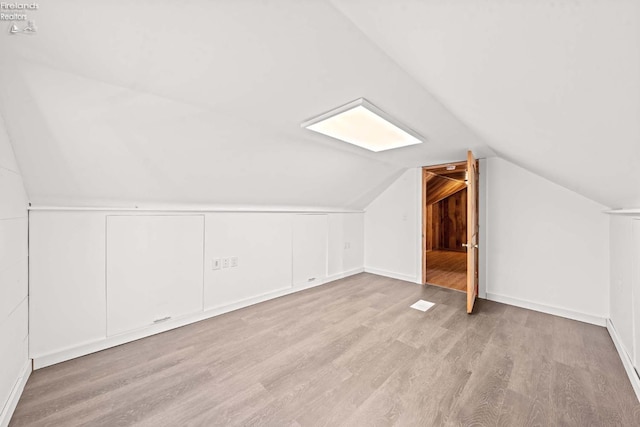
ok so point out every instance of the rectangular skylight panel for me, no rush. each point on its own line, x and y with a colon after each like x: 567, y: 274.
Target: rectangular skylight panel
x: 362, y: 124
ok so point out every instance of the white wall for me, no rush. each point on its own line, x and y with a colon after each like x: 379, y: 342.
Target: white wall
x: 393, y: 236
x: 547, y: 247
x: 262, y: 243
x: 624, y: 303
x: 67, y: 264
x: 346, y: 243
x: 14, y: 365
x: 542, y: 246
x: 69, y: 310
x: 621, y: 295
x: 155, y: 267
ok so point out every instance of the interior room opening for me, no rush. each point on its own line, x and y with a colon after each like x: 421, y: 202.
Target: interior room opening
x: 445, y: 225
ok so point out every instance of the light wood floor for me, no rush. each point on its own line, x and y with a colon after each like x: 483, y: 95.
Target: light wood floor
x: 349, y: 353
x: 448, y: 269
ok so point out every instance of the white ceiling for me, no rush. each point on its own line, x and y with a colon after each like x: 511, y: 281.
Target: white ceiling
x: 139, y: 103
x: 123, y: 103
x: 551, y: 85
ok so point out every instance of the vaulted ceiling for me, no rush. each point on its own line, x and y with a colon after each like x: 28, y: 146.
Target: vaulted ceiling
x: 553, y: 86
x: 146, y: 102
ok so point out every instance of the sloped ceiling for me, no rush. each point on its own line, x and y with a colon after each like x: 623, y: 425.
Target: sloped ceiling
x: 122, y: 103
x: 553, y: 86
x: 154, y: 102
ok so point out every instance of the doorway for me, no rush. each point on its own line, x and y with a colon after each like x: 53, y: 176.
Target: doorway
x: 449, y: 207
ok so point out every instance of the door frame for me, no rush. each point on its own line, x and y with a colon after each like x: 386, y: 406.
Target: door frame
x: 434, y: 169
x: 431, y: 169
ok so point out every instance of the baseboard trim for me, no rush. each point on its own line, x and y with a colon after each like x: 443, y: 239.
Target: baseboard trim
x: 14, y: 396
x: 48, y: 359
x: 348, y: 273
x: 392, y: 275
x: 626, y: 360
x: 556, y: 311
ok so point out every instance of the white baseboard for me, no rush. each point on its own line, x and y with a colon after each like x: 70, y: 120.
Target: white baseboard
x: 14, y: 396
x: 626, y: 360
x: 82, y: 349
x: 343, y: 275
x: 392, y: 275
x: 556, y: 311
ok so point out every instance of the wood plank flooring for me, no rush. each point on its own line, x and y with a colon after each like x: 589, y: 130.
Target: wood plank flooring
x: 448, y: 269
x: 348, y: 353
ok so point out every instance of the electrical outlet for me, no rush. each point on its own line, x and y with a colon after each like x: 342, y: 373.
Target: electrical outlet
x: 225, y: 262
x: 234, y: 261
x: 215, y: 264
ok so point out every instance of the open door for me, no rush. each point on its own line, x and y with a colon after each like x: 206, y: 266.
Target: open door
x: 472, y: 231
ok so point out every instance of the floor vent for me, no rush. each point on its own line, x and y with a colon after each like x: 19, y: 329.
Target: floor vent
x: 423, y: 305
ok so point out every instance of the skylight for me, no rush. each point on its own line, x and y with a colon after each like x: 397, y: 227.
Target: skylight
x: 363, y: 124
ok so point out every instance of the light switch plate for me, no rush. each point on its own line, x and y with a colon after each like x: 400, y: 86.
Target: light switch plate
x: 215, y: 264
x: 234, y: 261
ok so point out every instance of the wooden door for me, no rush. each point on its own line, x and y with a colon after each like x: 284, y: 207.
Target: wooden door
x: 472, y: 231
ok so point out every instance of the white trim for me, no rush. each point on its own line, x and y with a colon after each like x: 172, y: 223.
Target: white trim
x: 635, y: 211
x: 419, y: 226
x: 14, y: 396
x: 213, y: 209
x: 549, y: 309
x: 47, y: 359
x: 391, y: 274
x: 626, y: 360
x: 483, y: 229
x: 339, y: 276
